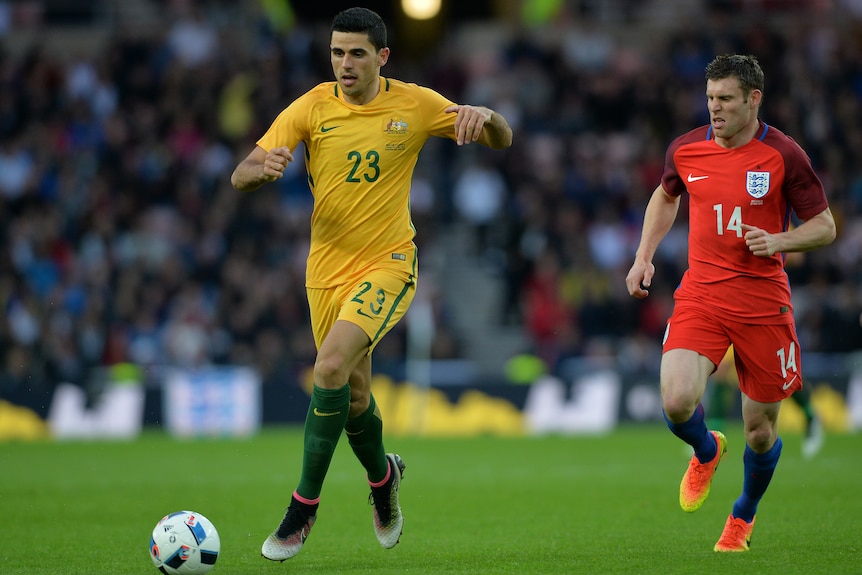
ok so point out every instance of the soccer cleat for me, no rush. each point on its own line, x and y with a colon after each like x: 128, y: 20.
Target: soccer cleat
x: 287, y: 540
x: 736, y: 535
x: 813, y: 440
x: 388, y: 520
x: 697, y: 480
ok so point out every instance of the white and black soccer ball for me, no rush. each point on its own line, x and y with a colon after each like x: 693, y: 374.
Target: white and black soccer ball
x: 184, y: 543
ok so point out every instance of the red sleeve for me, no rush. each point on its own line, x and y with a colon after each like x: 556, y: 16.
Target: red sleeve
x: 671, y: 180
x: 803, y: 188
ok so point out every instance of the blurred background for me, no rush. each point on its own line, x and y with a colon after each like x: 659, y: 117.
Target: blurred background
x: 139, y: 288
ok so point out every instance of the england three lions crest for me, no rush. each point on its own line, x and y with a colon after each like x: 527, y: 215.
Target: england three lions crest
x: 757, y: 184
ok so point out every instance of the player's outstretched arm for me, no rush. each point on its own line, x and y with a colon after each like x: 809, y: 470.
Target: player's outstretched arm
x: 482, y: 125
x: 260, y: 167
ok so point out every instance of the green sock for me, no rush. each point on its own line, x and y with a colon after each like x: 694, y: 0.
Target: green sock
x: 719, y: 405
x: 802, y: 398
x: 327, y: 414
x: 365, y: 435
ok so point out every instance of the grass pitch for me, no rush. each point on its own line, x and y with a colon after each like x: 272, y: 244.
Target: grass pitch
x: 592, y: 505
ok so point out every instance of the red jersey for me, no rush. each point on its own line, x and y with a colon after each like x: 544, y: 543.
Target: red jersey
x: 758, y: 184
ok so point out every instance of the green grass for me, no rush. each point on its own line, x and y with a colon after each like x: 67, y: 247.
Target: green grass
x: 593, y: 505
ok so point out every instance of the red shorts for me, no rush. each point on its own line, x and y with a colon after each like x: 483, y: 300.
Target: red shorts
x: 768, y: 359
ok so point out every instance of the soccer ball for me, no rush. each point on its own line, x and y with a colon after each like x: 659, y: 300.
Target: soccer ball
x: 184, y: 543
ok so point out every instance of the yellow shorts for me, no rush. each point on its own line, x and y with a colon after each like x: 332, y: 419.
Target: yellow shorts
x: 376, y: 302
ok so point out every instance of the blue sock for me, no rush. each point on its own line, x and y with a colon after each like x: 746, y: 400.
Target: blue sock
x: 695, y: 433
x: 759, y: 468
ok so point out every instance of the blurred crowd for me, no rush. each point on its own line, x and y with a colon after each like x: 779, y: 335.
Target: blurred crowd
x: 123, y: 240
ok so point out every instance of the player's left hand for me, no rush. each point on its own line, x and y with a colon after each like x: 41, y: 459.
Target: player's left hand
x: 469, y: 122
x: 760, y: 242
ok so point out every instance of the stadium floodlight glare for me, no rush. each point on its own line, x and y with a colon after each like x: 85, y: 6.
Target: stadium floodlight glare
x: 421, y: 9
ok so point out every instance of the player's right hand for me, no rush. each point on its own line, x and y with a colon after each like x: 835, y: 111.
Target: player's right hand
x: 276, y: 161
x: 639, y: 279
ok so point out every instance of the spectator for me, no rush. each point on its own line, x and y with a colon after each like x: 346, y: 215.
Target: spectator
x: 133, y: 143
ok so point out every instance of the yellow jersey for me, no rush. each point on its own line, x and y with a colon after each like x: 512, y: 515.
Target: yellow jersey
x: 360, y: 162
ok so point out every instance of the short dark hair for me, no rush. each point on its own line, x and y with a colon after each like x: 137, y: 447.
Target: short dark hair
x: 363, y: 21
x: 745, y: 68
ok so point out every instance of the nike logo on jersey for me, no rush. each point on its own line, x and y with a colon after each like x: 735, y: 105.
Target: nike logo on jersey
x: 787, y: 385
x: 324, y: 129
x: 325, y: 413
x: 692, y: 178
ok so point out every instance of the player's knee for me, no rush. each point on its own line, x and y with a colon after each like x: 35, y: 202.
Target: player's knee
x: 760, y: 438
x: 678, y: 408
x: 330, y: 372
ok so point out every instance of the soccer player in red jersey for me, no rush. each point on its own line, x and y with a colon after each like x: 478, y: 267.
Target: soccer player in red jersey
x: 743, y: 178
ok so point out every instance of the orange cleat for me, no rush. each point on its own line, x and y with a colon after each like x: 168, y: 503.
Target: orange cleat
x: 697, y: 480
x: 736, y: 536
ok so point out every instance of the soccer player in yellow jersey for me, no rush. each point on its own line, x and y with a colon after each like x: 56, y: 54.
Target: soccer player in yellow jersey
x: 362, y: 135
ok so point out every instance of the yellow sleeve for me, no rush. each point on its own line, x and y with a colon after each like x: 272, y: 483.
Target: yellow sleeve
x: 291, y: 126
x: 438, y: 122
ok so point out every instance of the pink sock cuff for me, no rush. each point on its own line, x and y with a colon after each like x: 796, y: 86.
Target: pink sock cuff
x: 384, y: 480
x: 302, y: 499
